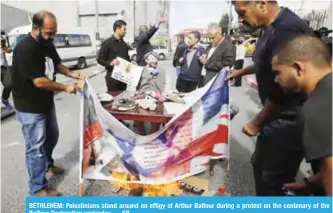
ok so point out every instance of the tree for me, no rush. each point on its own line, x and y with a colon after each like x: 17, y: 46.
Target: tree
x: 212, y: 24
x: 224, y: 22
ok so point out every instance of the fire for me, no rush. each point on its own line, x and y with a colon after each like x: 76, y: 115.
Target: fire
x: 137, y: 189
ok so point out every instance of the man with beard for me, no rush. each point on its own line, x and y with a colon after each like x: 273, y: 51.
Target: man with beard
x: 305, y: 65
x: 142, y: 42
x: 35, y: 63
x: 114, y: 47
x: 278, y: 152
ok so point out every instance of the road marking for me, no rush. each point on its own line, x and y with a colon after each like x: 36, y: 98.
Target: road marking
x: 14, y: 143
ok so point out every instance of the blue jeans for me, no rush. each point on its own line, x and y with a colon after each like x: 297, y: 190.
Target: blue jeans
x: 41, y: 133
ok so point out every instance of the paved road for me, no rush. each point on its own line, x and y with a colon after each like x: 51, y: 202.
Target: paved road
x: 14, y: 188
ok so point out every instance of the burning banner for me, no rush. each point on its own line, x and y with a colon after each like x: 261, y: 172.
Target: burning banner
x: 182, y: 148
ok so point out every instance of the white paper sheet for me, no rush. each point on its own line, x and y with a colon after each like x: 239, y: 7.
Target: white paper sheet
x: 173, y: 108
x: 127, y: 72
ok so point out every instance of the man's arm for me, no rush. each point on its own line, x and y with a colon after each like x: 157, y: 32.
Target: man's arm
x: 7, y: 49
x: 46, y: 84
x: 65, y: 71
x: 238, y: 73
x: 146, y: 36
x: 326, y: 174
x: 103, y: 56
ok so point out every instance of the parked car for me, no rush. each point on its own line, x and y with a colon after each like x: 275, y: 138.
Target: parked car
x: 75, y: 46
x: 161, y: 51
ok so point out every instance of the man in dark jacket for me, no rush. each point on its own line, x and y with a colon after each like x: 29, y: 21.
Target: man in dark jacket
x: 221, y: 53
x: 278, y: 152
x: 112, y: 48
x: 142, y: 42
x: 180, y: 50
x: 191, y: 66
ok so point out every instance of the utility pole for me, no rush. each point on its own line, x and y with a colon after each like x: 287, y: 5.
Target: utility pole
x: 134, y: 17
x: 78, y: 13
x: 230, y: 18
x: 96, y: 19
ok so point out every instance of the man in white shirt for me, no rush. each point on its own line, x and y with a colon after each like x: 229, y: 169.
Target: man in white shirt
x: 240, y: 55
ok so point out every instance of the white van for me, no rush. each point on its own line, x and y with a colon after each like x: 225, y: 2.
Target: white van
x: 75, y: 46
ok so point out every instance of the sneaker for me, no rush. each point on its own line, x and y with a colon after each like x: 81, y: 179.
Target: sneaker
x: 54, y: 170
x: 125, y: 104
x: 46, y: 192
x: 7, y: 104
x: 233, y: 110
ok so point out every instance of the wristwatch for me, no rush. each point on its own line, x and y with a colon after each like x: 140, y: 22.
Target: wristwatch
x: 307, y: 181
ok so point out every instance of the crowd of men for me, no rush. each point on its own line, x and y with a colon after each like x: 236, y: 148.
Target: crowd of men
x: 293, y: 69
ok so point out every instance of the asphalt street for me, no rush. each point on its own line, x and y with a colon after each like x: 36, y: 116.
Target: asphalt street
x: 14, y: 181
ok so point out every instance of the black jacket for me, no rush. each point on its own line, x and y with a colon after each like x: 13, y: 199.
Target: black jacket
x: 111, y: 49
x: 143, y: 45
x: 180, y: 51
x: 223, y: 56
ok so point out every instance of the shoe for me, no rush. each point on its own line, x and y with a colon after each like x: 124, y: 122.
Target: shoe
x: 54, y: 170
x: 233, y: 110
x: 7, y: 104
x: 126, y: 104
x: 46, y: 192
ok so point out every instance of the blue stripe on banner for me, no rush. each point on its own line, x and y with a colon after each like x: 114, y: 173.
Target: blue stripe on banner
x: 178, y: 204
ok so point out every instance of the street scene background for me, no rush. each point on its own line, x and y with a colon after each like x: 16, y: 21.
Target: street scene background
x: 182, y: 15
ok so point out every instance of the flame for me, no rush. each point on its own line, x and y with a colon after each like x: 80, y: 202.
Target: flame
x: 121, y: 180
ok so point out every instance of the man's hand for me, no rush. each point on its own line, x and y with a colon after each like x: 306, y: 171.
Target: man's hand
x: 163, y: 20
x: 115, y: 62
x: 181, y: 60
x: 79, y: 85
x: 251, y: 129
x: 203, y: 59
x: 71, y: 88
x: 294, y: 186
x: 233, y: 74
x: 77, y: 75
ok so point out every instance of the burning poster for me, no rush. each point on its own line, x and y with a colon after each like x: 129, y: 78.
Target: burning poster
x: 182, y: 148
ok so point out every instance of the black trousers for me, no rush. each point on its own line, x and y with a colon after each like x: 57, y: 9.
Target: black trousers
x: 186, y: 86
x: 276, y: 159
x: 238, y: 65
x: 113, y: 84
x: 6, y: 82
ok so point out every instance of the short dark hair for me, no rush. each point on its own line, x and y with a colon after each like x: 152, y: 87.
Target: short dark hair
x: 181, y: 36
x: 196, y: 34
x: 39, y: 17
x: 251, y: 1
x: 118, y: 24
x: 305, y: 48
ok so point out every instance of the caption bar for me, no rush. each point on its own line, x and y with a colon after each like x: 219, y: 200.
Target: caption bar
x: 177, y: 204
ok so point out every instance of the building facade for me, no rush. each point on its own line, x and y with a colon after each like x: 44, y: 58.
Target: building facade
x: 65, y: 11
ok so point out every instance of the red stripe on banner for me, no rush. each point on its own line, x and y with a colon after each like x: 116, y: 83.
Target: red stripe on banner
x: 224, y: 116
x: 222, y: 135
x: 92, y: 133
